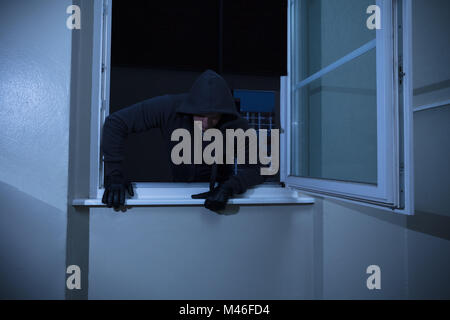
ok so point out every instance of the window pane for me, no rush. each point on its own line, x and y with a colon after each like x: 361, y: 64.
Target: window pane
x: 325, y: 31
x: 334, y: 126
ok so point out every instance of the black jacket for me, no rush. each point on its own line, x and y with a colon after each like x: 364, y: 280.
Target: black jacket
x: 209, y: 94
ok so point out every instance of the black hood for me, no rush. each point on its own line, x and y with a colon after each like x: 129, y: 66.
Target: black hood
x: 209, y: 94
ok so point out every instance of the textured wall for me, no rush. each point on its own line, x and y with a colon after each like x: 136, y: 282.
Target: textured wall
x: 35, y: 53
x: 192, y: 253
x: 355, y: 237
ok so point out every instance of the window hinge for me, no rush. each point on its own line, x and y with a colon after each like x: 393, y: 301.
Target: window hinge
x: 401, y: 74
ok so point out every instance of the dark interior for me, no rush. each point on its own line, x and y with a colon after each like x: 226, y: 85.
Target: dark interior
x: 162, y: 47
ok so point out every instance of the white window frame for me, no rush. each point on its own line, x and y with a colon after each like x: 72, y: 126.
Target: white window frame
x: 150, y: 194
x: 394, y: 190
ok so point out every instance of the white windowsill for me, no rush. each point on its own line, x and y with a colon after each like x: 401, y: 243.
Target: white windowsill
x: 179, y: 194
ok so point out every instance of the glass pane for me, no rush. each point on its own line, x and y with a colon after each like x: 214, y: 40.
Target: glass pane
x: 334, y: 124
x: 325, y: 31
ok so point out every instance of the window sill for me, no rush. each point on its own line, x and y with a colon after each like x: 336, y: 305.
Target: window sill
x: 174, y: 194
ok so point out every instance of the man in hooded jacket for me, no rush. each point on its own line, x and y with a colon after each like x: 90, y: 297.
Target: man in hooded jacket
x: 209, y: 101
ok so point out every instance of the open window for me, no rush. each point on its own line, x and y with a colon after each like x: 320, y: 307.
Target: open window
x: 345, y: 108
x: 348, y: 115
x: 112, y: 89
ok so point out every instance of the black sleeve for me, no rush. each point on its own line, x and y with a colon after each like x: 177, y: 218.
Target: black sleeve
x: 142, y: 116
x: 248, y: 175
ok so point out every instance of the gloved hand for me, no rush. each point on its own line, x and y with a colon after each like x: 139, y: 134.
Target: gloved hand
x: 218, y: 198
x: 114, y: 195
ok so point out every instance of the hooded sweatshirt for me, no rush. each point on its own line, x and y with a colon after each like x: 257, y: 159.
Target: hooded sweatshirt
x: 209, y: 94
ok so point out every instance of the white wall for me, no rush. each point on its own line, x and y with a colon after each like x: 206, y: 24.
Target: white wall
x: 354, y: 238
x: 193, y: 253
x: 413, y: 252
x: 35, y: 53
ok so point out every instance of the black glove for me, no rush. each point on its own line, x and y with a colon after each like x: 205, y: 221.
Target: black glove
x: 218, y: 198
x: 115, y: 187
x: 203, y: 195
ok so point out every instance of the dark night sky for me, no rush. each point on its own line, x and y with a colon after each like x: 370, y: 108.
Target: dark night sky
x: 185, y: 35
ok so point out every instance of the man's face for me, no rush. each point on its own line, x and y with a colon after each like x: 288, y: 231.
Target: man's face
x: 208, y: 120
